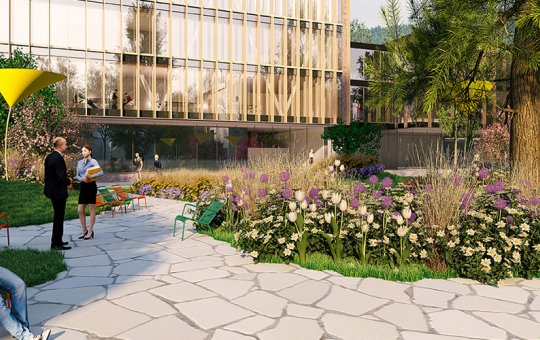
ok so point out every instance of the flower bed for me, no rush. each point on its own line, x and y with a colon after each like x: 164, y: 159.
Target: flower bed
x: 495, y: 235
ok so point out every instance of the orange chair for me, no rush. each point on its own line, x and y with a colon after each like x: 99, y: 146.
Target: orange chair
x: 5, y: 225
x: 104, y: 200
x: 123, y: 195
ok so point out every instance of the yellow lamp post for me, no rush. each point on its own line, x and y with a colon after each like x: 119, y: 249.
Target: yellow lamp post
x: 17, y: 84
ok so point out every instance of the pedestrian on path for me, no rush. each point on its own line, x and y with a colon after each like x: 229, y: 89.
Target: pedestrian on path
x: 88, y: 170
x: 15, y: 321
x: 138, y: 162
x: 56, y: 188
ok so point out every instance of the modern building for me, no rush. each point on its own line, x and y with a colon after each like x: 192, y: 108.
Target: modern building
x: 228, y: 69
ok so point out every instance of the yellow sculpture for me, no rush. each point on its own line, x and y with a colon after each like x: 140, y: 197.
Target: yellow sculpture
x: 17, y: 84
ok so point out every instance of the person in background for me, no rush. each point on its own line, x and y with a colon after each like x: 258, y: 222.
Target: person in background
x: 138, y: 162
x: 310, y: 157
x: 114, y: 99
x: 88, y: 170
x: 15, y: 321
x: 157, y: 163
x: 56, y: 188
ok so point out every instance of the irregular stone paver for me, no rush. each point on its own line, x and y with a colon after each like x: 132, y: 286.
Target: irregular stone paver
x: 263, y: 303
x: 251, y: 325
x: 102, y: 318
x: 135, y: 281
x: 518, y: 326
x: 453, y: 322
x: 430, y: 297
x: 146, y: 303
x: 275, y: 282
x: 351, y: 328
x: 384, y: 289
x: 300, y: 329
x: 166, y: 328
x: 212, y: 312
x: 395, y: 313
x: 355, y: 303
x: 480, y: 303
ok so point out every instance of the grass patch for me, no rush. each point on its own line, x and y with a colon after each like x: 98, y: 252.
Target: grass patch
x: 33, y: 266
x: 26, y: 204
x: 350, y: 266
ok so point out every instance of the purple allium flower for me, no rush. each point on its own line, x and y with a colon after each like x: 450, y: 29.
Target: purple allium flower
x: 308, y: 200
x: 313, y: 192
x: 499, y: 186
x: 286, y: 193
x: 467, y: 199
x: 386, y: 201
x: 284, y: 176
x: 510, y: 220
x: 261, y: 192
x: 355, y: 203
x: 395, y: 213
x: 264, y: 178
x: 386, y: 183
x: 234, y: 208
x: 412, y: 218
x: 228, y: 188
x: 359, y: 188
x: 483, y: 173
x: 428, y: 187
x: 490, y: 189
x: 414, y: 191
x: 373, y: 179
x: 225, y: 179
x: 377, y: 194
x: 500, y: 203
x: 535, y: 200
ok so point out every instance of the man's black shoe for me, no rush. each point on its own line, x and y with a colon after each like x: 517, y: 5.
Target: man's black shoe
x: 65, y: 243
x: 61, y: 247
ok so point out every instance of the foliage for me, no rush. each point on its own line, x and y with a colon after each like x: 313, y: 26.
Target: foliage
x: 358, y: 137
x: 493, y: 146
x: 160, y: 186
x: 33, y: 266
x: 372, y: 35
x: 364, y: 172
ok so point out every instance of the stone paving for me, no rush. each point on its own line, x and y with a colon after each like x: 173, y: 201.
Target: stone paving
x: 135, y: 281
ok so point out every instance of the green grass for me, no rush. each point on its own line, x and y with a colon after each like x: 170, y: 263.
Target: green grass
x: 33, y: 266
x: 26, y: 204
x: 350, y: 266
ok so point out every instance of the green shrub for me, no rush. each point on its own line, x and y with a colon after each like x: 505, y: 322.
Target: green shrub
x: 358, y: 137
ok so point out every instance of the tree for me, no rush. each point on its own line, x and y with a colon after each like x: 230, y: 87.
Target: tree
x: 357, y: 137
x: 455, y: 43
x: 360, y: 33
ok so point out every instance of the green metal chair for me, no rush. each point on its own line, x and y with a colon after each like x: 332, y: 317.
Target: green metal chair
x: 111, y: 199
x: 206, y: 217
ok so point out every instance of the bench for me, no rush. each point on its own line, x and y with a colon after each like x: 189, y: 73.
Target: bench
x: 206, y: 217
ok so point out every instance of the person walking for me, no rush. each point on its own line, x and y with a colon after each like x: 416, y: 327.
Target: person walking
x: 88, y: 170
x: 157, y: 163
x: 138, y: 162
x: 56, y: 188
x: 15, y: 321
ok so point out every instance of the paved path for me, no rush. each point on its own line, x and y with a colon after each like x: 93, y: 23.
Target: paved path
x: 134, y: 281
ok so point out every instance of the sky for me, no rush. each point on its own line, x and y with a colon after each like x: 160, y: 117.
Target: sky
x: 369, y: 11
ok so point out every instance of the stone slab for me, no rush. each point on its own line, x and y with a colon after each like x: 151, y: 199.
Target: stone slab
x: 354, y: 328
x: 212, y: 312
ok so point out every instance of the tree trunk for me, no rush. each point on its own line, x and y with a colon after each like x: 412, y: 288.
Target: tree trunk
x: 525, y: 94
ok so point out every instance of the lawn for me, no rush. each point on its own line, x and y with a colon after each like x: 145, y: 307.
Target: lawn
x: 351, y: 267
x: 33, y: 266
x: 26, y: 204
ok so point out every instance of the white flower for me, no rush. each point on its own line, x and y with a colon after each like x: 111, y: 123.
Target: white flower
x: 430, y: 240
x: 399, y: 219
x: 295, y: 237
x: 287, y: 252
x: 406, y: 213
x: 385, y: 239
x: 409, y: 197
x: 331, y: 168
x: 365, y: 228
x: 336, y: 198
x: 516, y: 241
x: 492, y: 251
x: 423, y: 254
x: 497, y: 258
x: 373, y: 242
x: 292, y: 206
x: 299, y: 195
x: 240, y: 203
x: 342, y: 168
x: 281, y: 240
x: 401, y: 231
x: 370, y: 218
x: 313, y: 207
x: 500, y: 224
x: 292, y: 216
x: 440, y: 233
x: 525, y: 227
x: 516, y: 257
x: 413, y: 237
x: 254, y: 254
x: 290, y: 246
x: 471, y: 232
x: 343, y: 205
x: 328, y: 217
x: 337, y: 162
x: 469, y: 251
x: 303, y: 205
x: 363, y: 210
x: 325, y: 194
x: 485, y: 262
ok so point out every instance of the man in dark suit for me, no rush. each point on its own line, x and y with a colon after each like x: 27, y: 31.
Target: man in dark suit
x: 57, y: 184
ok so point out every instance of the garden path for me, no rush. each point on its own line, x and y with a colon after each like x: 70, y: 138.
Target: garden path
x: 135, y: 281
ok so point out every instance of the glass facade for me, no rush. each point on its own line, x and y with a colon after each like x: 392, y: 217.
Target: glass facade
x: 227, y: 60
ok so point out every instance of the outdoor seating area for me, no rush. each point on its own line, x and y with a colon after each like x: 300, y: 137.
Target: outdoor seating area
x: 115, y: 196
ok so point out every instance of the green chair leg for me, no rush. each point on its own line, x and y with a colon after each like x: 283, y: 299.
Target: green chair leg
x: 174, y: 228
x: 183, y: 228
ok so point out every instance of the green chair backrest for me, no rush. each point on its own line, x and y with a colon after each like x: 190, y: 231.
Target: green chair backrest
x: 211, y: 211
x: 108, y: 197
x: 103, y: 190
